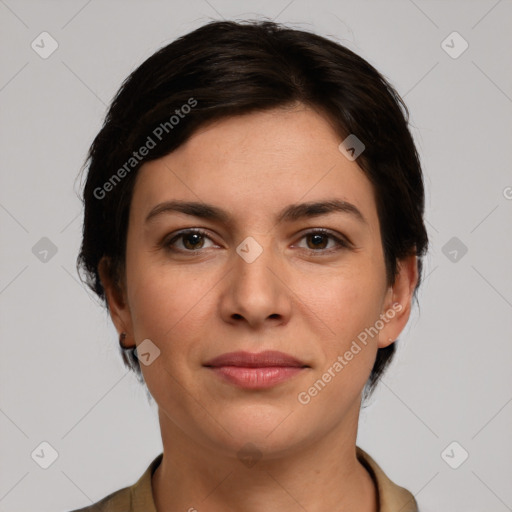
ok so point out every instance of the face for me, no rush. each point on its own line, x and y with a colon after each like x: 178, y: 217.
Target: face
x: 257, y: 275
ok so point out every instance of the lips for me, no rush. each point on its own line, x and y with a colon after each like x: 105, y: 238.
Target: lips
x: 266, y: 359
x: 255, y: 371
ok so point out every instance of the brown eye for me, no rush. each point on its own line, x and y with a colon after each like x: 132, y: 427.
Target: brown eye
x: 192, y: 240
x: 318, y: 241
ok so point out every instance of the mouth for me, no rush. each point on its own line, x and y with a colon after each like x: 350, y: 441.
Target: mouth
x: 256, y: 371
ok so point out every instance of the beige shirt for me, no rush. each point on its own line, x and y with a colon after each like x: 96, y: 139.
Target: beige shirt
x: 139, y: 496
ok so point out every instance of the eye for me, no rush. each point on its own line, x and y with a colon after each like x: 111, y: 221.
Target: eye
x: 318, y: 239
x: 192, y: 240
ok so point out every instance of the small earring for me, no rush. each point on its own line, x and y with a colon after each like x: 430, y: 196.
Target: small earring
x: 122, y: 337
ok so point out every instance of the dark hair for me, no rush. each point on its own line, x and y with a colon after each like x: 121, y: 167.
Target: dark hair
x: 230, y: 68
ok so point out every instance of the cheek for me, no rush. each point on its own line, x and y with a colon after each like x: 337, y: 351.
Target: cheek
x: 169, y: 306
x: 346, y: 301
x: 349, y: 305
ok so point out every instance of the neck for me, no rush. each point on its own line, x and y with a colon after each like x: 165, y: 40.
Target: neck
x: 324, y: 475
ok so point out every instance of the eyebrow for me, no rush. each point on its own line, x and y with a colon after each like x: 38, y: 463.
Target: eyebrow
x: 290, y: 213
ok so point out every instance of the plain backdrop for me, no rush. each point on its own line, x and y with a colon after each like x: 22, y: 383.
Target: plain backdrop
x: 62, y: 380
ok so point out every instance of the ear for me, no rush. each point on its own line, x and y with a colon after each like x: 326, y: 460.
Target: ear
x: 116, y: 297
x: 398, y: 302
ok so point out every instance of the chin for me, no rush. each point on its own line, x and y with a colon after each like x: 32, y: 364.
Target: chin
x: 268, y: 433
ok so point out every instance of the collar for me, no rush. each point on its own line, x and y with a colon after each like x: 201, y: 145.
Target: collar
x: 391, y: 497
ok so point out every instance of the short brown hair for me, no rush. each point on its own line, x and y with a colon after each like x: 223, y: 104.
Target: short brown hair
x: 230, y: 68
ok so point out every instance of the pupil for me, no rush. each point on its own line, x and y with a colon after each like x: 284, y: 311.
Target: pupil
x: 318, y: 238
x: 194, y: 242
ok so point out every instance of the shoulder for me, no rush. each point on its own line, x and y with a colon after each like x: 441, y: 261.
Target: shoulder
x: 392, y: 497
x: 134, y: 498
x: 118, y: 501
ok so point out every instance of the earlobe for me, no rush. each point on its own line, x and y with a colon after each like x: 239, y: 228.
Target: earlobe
x: 398, y: 302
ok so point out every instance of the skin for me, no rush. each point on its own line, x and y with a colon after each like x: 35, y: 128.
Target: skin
x: 198, y: 304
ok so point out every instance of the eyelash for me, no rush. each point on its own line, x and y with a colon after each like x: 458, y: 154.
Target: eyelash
x: 341, y: 243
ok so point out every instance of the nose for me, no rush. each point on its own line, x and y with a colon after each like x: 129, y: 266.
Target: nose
x: 255, y: 292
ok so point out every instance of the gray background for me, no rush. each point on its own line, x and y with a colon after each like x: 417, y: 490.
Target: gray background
x: 62, y: 379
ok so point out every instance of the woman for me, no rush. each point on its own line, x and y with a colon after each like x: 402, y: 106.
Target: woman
x: 254, y: 221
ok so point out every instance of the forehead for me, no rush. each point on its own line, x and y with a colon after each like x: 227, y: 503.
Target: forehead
x: 256, y: 163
